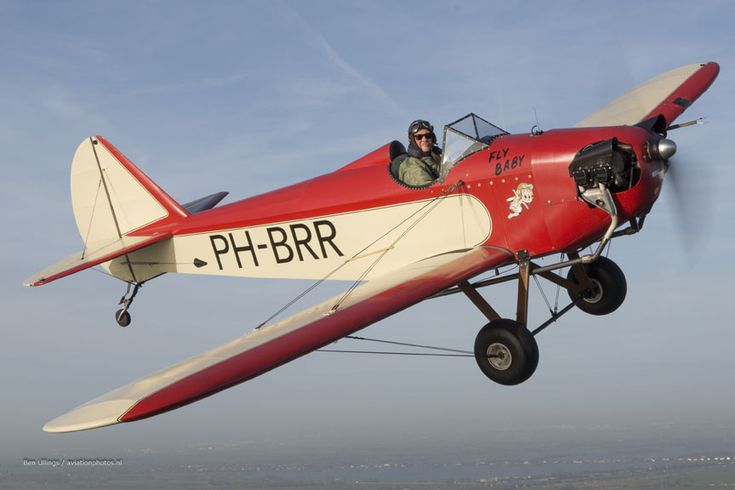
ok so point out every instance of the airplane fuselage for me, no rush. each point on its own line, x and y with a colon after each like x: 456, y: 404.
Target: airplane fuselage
x: 515, y: 195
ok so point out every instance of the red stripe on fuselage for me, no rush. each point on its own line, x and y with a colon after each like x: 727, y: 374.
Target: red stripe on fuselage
x: 361, y: 185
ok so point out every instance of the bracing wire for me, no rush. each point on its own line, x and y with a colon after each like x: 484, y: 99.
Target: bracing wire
x: 446, y: 352
x: 362, y: 276
x: 543, y: 294
x: 406, y: 344
x: 394, y: 353
x: 91, y: 216
x: 97, y: 269
x: 433, y: 203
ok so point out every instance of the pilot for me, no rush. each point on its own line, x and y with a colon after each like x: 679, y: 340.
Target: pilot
x: 420, y: 167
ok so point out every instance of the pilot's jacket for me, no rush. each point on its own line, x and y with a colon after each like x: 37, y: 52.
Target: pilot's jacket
x: 419, y: 170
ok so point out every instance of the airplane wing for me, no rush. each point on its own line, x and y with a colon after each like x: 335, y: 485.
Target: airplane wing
x: 275, y: 344
x: 668, y: 94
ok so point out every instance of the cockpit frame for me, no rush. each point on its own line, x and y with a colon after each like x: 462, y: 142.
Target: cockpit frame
x: 465, y: 137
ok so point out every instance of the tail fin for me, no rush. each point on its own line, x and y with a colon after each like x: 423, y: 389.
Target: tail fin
x: 111, y: 199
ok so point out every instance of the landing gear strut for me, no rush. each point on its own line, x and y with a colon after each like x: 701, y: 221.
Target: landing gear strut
x: 122, y: 316
x: 505, y: 350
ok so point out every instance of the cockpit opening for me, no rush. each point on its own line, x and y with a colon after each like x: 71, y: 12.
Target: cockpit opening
x: 460, y: 139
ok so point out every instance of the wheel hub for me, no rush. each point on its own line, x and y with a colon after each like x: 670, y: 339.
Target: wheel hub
x: 499, y: 356
x: 594, y: 293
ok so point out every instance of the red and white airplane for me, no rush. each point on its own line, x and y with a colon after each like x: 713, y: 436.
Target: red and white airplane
x: 501, y: 200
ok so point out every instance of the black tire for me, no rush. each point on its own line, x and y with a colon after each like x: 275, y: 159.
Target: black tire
x: 608, y: 287
x: 515, y: 348
x: 122, y: 317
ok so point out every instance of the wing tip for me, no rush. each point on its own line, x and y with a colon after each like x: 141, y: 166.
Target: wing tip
x: 92, y: 415
x: 56, y: 426
x: 627, y: 109
x: 35, y: 280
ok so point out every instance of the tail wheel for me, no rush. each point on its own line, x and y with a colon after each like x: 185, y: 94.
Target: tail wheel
x: 608, y: 288
x: 122, y: 317
x: 506, y: 352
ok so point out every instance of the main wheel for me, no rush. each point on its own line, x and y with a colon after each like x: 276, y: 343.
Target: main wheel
x: 608, y: 287
x: 506, y: 352
x: 122, y: 317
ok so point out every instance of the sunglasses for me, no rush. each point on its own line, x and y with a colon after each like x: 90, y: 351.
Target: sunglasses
x: 419, y: 137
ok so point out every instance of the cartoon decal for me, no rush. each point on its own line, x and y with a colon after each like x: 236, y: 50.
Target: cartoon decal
x: 522, y: 196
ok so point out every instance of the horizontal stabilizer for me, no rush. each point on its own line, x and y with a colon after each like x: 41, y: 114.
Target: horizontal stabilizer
x: 79, y: 261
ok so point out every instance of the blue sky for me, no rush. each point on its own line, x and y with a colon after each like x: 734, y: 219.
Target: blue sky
x: 251, y: 96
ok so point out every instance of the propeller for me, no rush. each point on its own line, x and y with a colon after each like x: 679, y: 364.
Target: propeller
x: 689, y: 189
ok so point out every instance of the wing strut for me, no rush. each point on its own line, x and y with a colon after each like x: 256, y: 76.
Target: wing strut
x: 471, y: 292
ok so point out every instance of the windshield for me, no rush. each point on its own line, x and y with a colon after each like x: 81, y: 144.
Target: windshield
x: 465, y: 137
